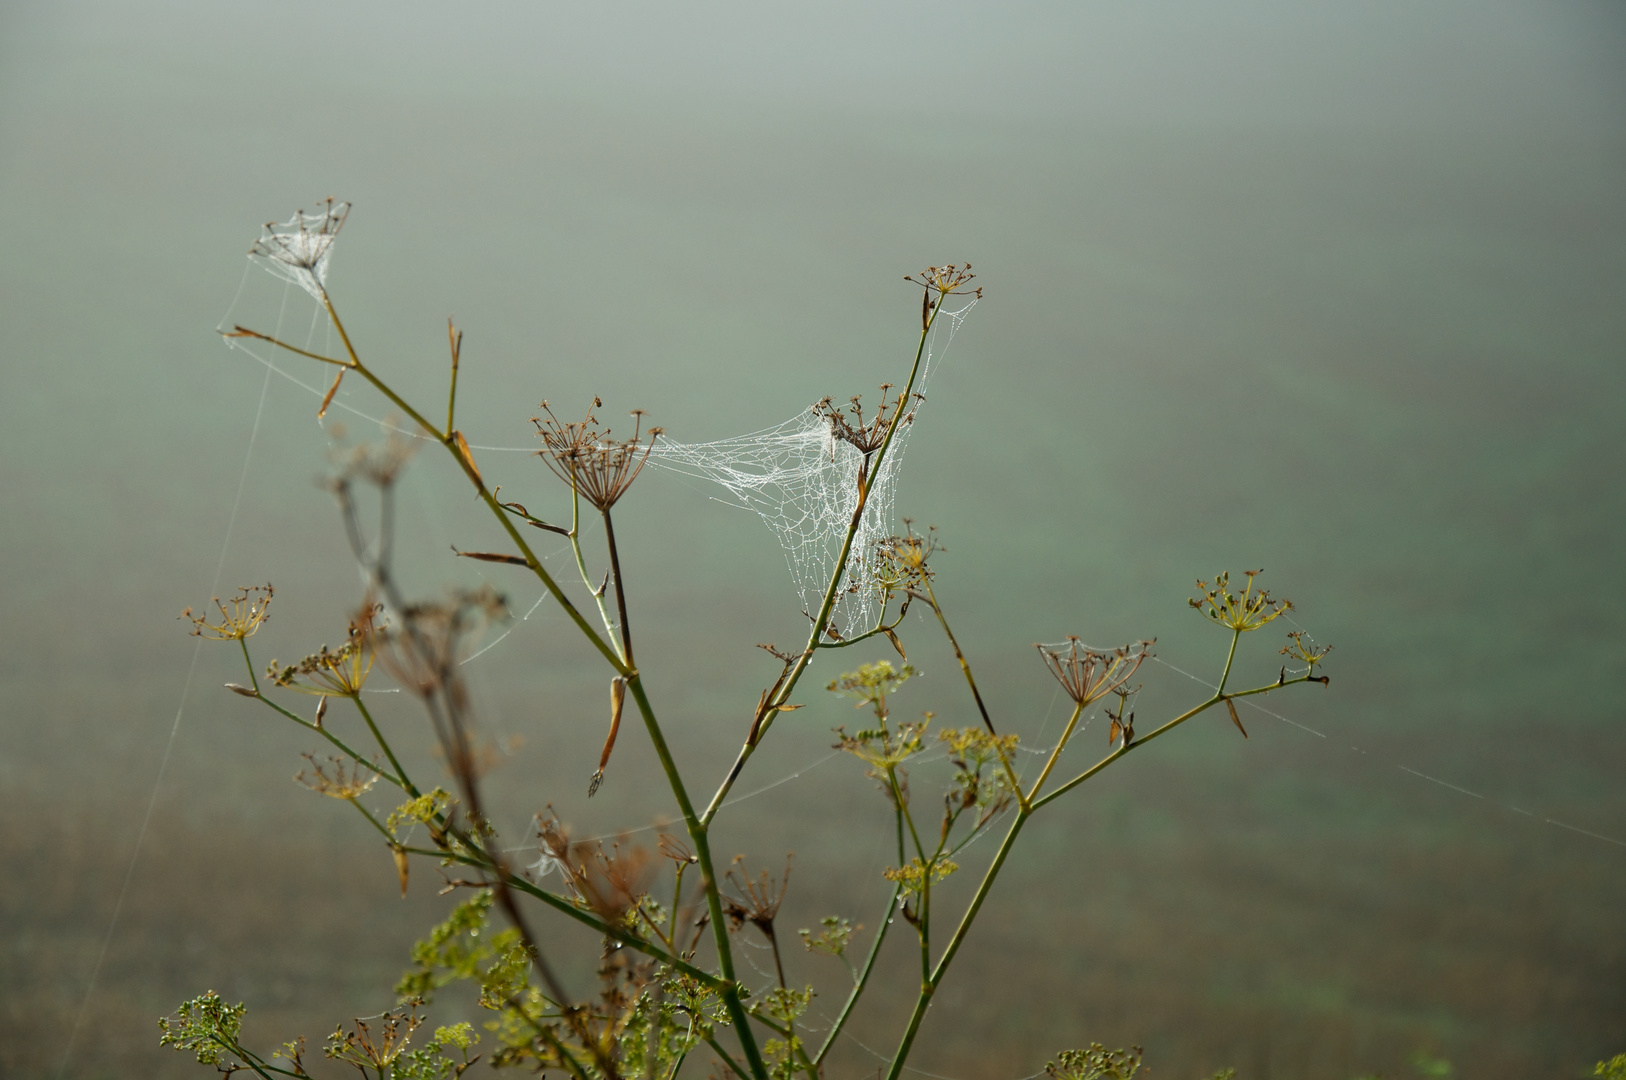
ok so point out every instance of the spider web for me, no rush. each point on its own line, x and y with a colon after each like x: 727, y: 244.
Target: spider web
x: 802, y: 481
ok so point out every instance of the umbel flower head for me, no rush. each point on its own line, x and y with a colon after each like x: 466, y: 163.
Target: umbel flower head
x: 1088, y: 675
x: 755, y: 900
x: 872, y: 684
x: 1305, y: 651
x: 938, y: 282
x: 362, y: 1048
x: 847, y: 422
x: 585, y: 457
x: 298, y: 249
x: 341, y: 778
x: 948, y: 280
x: 239, y: 617
x: 1248, y: 610
x: 900, y: 563
x: 341, y: 671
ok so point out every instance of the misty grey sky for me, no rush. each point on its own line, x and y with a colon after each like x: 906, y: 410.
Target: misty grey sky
x: 1246, y: 63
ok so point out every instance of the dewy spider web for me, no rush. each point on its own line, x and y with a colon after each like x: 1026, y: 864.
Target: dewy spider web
x: 802, y: 481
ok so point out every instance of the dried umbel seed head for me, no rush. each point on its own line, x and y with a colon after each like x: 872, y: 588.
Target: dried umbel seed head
x: 1305, y: 651
x: 239, y: 617
x: 298, y: 249
x: 947, y: 280
x: 378, y: 464
x: 1249, y: 610
x: 938, y: 282
x: 340, y: 778
x: 612, y: 881
x: 847, y: 421
x: 676, y: 850
x: 755, y: 900
x: 1086, y: 674
x: 342, y: 671
x: 584, y: 456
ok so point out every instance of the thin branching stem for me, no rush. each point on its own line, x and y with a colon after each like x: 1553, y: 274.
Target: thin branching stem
x: 581, y: 564
x: 1167, y: 727
x: 620, y: 591
x: 965, y: 667
x: 449, y: 441
x: 374, y: 822
x: 383, y: 744
x: 1230, y: 656
x: 243, y: 331
x: 1055, y: 754
x: 338, y: 743
x: 822, y: 619
x: 936, y: 977
x: 455, y: 340
x: 708, y: 876
x: 862, y: 981
x: 727, y: 1058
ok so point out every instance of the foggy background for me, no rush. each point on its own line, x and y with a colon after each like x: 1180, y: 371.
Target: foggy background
x: 1335, y: 290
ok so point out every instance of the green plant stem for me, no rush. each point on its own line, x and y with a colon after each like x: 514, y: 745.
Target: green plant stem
x: 696, y: 828
x: 248, y: 1057
x: 1219, y: 691
x: 708, y: 876
x: 923, y: 911
x: 374, y: 822
x: 581, y: 563
x: 881, y: 627
x: 384, y: 745
x: 1061, y: 744
x: 620, y: 592
x: 822, y: 620
x: 337, y: 742
x: 1170, y: 726
x: 965, y: 667
x: 903, y: 808
x: 923, y: 1002
x: 929, y: 986
x: 863, y: 976
x: 456, y: 341
x: 677, y: 896
x: 728, y: 1059
x: 571, y: 1065
x: 787, y: 1031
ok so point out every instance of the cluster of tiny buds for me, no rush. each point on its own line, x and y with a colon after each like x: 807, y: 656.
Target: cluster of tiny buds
x: 945, y: 280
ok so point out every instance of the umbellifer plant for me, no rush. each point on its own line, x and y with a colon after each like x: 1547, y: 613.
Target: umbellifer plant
x: 671, y: 996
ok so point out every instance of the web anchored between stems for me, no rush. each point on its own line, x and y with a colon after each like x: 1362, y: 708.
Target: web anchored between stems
x: 799, y: 478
